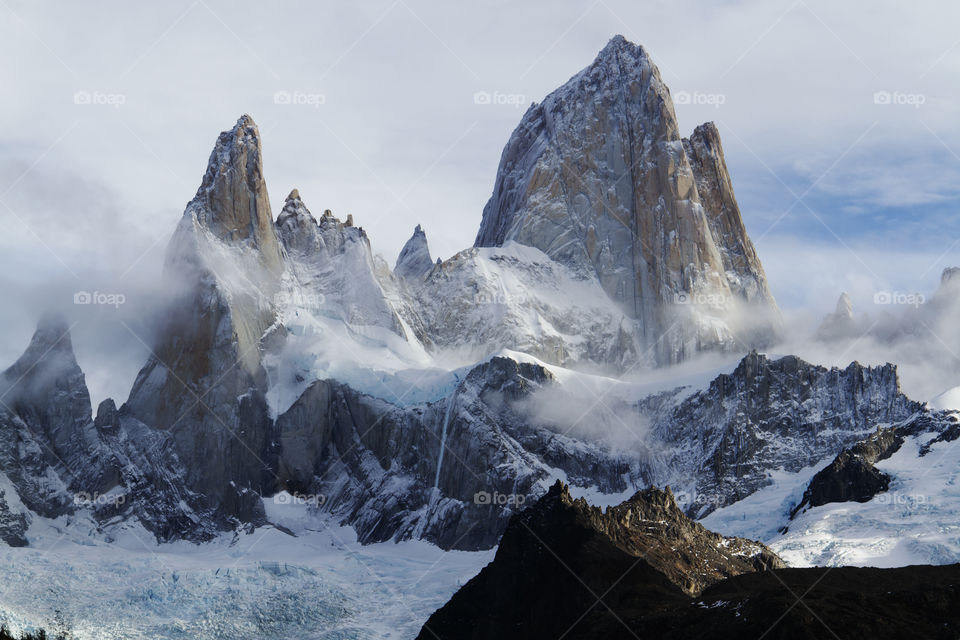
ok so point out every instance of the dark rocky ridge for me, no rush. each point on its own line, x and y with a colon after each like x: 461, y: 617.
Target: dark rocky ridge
x: 561, y: 571
x: 59, y: 459
x: 767, y: 414
x: 851, y: 476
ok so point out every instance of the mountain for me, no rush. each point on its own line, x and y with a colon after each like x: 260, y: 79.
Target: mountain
x: 842, y: 324
x: 599, y: 178
x: 414, y: 259
x: 887, y: 500
x: 59, y: 462
x: 204, y: 382
x: 292, y: 359
x: 432, y: 404
x: 643, y: 570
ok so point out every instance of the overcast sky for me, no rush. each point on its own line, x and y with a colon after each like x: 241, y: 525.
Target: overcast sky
x: 111, y: 109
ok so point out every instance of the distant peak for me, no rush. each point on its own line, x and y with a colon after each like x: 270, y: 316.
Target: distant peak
x: 294, y: 195
x: 414, y: 260
x: 53, y: 323
x: 618, y: 44
x: 949, y: 274
x: 50, y: 344
x: 845, y: 304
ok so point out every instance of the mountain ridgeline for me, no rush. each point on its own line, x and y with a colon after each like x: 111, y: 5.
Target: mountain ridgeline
x: 291, y: 358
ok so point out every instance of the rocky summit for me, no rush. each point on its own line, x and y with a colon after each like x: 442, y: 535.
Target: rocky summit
x: 599, y: 178
x: 643, y: 570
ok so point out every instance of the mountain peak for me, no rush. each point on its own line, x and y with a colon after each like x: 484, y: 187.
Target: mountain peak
x: 599, y: 178
x: 232, y: 201
x: 949, y: 275
x: 414, y: 260
x: 620, y: 45
x: 51, y: 338
x: 46, y: 380
x: 844, y: 305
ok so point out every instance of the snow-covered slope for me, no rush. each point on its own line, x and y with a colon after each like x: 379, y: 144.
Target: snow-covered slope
x: 515, y: 297
x: 914, y: 520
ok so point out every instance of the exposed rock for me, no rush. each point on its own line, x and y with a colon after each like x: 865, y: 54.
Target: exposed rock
x: 560, y: 555
x: 565, y: 569
x: 599, y: 179
x: 851, y: 476
x: 13, y: 523
x: 395, y: 473
x: 204, y: 381
x: 232, y: 201
x: 55, y: 459
x: 783, y: 414
x: 414, y: 260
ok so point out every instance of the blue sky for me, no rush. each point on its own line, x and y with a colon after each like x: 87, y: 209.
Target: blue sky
x: 383, y: 125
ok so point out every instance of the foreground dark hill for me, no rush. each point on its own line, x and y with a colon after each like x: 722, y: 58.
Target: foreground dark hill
x: 643, y: 570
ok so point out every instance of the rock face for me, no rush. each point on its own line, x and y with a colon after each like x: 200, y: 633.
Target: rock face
x: 554, y: 554
x: 414, y: 260
x: 204, y: 382
x: 57, y: 460
x: 565, y: 569
x: 599, y: 178
x: 232, y: 201
x: 783, y: 414
x: 397, y: 472
x: 852, y: 476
